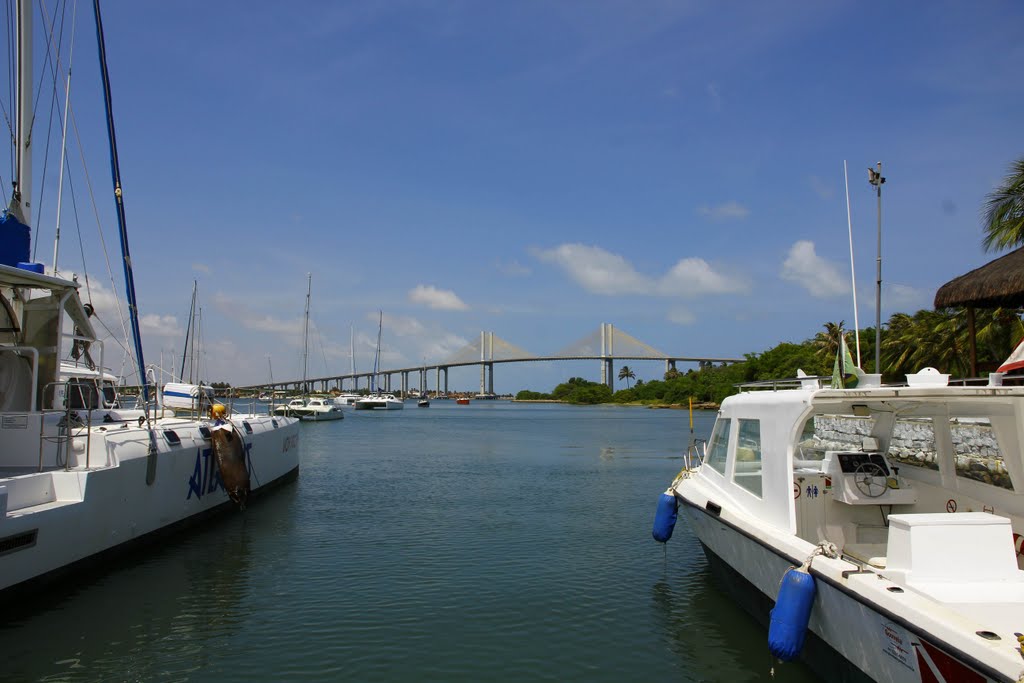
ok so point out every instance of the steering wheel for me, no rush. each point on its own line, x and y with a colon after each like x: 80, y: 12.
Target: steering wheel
x: 870, y: 479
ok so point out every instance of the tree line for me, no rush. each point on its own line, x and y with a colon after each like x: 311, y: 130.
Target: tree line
x: 937, y: 339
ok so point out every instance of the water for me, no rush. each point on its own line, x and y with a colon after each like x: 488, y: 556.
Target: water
x: 495, y: 541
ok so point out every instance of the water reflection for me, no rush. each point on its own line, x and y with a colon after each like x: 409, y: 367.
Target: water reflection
x: 709, y: 632
x: 157, y: 618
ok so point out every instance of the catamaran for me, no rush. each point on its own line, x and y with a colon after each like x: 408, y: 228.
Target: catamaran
x: 81, y: 477
x: 377, y: 400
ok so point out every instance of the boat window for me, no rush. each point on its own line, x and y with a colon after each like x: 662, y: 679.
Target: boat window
x: 978, y: 455
x: 718, y: 447
x: 248, y: 427
x: 8, y: 322
x: 913, y: 443
x: 747, y: 472
x: 109, y: 396
x: 172, y: 437
x: 82, y: 395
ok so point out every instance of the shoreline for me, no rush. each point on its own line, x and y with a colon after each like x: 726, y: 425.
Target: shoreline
x: 652, y: 406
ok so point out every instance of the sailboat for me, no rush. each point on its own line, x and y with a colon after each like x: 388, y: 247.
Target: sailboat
x: 377, y: 400
x: 348, y: 400
x: 310, y: 408
x: 80, y: 479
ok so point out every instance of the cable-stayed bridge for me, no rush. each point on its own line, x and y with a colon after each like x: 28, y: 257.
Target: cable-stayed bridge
x: 607, y: 345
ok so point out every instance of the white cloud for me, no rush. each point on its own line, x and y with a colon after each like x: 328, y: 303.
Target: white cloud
x: 694, y: 276
x: 602, y: 272
x: 731, y: 210
x: 201, y: 268
x: 268, y: 323
x: 818, y: 276
x: 438, y: 299
x: 160, y: 325
x: 597, y: 270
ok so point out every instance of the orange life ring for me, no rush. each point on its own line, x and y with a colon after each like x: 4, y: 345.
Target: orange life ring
x: 1018, y: 544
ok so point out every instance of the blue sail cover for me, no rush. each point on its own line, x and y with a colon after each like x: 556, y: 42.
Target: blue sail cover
x: 15, y: 240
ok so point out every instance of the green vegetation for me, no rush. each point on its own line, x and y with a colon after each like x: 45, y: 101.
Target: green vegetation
x: 937, y: 339
x: 1004, y: 212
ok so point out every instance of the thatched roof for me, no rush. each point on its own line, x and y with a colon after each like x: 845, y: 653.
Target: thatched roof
x: 999, y: 283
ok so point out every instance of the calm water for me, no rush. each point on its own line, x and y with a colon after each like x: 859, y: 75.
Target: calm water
x: 494, y: 541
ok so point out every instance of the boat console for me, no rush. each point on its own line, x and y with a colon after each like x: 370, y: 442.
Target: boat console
x: 865, y: 478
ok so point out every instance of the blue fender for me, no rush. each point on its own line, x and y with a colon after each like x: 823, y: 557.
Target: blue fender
x: 665, y: 517
x: 791, y: 614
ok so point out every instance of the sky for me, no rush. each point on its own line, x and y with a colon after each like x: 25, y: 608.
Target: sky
x: 531, y: 169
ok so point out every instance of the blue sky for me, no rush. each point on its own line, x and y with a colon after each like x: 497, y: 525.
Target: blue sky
x: 535, y: 169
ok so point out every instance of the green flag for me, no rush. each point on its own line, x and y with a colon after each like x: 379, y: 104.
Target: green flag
x: 843, y: 375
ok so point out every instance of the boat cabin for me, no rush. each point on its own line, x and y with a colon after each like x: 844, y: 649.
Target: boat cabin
x: 851, y: 466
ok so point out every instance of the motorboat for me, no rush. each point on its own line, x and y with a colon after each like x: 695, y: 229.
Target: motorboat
x: 320, y: 409
x: 462, y: 401
x: 882, y: 523
x: 379, y: 402
x: 424, y: 401
x: 295, y: 407
x: 346, y: 400
x: 81, y: 478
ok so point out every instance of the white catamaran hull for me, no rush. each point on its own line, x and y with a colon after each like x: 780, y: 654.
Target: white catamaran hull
x: 101, y: 501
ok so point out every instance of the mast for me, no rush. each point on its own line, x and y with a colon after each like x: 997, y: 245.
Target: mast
x: 64, y: 141
x: 376, y: 356
x: 188, y: 329
x: 305, y: 332
x: 115, y: 172
x: 21, y: 195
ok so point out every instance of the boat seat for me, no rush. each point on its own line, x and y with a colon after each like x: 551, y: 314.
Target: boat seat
x: 866, y: 553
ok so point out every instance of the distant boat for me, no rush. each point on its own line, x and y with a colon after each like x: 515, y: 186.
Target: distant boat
x: 346, y: 400
x: 485, y: 397
x: 319, y: 409
x: 293, y: 408
x: 423, y: 402
x: 377, y: 400
x: 462, y: 401
x: 380, y: 402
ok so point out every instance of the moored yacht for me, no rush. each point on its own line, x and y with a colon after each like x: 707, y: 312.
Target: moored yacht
x: 81, y: 478
x: 346, y: 400
x: 320, y: 409
x: 379, y: 402
x: 902, y: 506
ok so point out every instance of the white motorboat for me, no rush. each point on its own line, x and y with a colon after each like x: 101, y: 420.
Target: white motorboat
x: 81, y: 478
x: 294, y: 408
x: 380, y: 402
x: 903, y: 505
x: 346, y: 400
x: 320, y: 409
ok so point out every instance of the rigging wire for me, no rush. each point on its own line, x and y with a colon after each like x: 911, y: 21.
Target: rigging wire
x: 10, y: 87
x: 54, y: 68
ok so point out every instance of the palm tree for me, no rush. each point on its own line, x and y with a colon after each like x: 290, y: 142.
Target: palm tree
x: 826, y: 343
x: 626, y: 374
x: 1004, y: 212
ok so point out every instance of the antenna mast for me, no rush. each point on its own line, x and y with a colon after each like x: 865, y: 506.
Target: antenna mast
x: 853, y: 276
